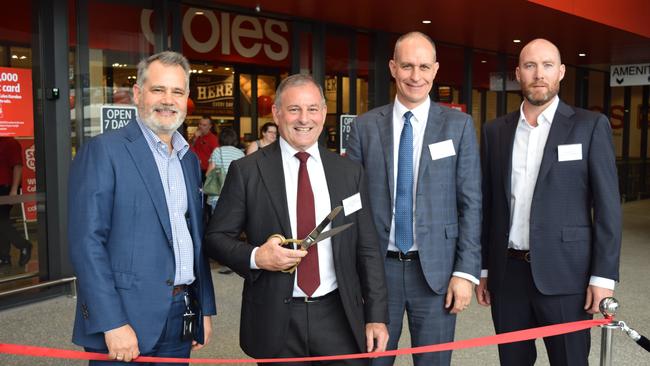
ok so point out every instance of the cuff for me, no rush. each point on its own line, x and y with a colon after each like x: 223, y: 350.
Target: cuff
x: 253, y: 265
x: 602, y: 282
x: 484, y: 273
x: 466, y: 276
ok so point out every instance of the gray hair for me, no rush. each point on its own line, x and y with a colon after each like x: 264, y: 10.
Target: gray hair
x: 167, y: 58
x: 413, y: 34
x: 296, y: 80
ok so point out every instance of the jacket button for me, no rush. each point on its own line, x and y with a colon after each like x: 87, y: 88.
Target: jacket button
x: 387, y: 229
x: 171, y: 243
x: 170, y: 283
x: 287, y: 300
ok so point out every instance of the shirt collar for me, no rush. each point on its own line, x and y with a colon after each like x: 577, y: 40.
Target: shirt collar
x: 289, y: 151
x: 421, y: 112
x: 179, y: 144
x: 546, y: 115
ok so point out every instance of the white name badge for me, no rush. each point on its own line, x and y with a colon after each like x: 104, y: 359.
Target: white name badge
x: 352, y: 204
x: 569, y: 152
x: 442, y: 149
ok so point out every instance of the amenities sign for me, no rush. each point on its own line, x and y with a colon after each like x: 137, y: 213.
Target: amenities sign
x: 16, y: 103
x: 629, y: 75
x: 115, y: 117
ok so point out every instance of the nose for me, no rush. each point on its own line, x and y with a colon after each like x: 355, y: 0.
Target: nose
x: 167, y: 98
x: 415, y: 74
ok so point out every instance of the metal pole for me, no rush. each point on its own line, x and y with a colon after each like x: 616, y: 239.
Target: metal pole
x: 608, y: 307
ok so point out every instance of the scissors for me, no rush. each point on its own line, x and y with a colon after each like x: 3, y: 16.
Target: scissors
x: 315, y: 236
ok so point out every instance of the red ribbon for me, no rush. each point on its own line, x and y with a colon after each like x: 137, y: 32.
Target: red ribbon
x: 521, y: 335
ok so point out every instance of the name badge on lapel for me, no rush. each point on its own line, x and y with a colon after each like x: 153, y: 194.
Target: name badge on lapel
x: 442, y: 149
x: 569, y: 152
x: 352, y: 204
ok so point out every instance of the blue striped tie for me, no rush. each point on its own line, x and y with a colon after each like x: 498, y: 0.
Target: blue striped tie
x: 404, y: 194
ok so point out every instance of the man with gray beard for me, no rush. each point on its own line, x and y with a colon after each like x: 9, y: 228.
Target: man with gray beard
x: 135, y: 228
x: 551, y: 236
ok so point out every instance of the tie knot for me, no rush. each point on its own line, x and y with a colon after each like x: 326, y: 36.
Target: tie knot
x: 302, y: 156
x: 407, y: 116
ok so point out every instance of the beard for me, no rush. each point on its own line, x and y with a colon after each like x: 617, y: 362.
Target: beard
x: 539, y: 99
x: 156, y: 125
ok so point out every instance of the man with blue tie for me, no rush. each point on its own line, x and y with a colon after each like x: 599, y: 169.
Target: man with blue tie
x: 423, y: 168
x: 136, y: 227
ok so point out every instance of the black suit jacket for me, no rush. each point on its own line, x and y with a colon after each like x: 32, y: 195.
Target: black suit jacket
x: 253, y: 200
x: 575, y: 219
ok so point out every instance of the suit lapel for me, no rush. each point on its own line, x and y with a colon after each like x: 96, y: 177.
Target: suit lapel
x: 333, y: 175
x: 272, y: 174
x: 431, y: 135
x: 385, y: 126
x: 506, y: 142
x: 143, y: 158
x: 191, y: 187
x: 560, y: 129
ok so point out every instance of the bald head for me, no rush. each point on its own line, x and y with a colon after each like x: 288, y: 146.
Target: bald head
x: 540, y: 45
x: 410, y: 36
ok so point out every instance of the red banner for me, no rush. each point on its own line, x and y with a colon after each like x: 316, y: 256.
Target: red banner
x: 16, y: 102
x: 28, y: 183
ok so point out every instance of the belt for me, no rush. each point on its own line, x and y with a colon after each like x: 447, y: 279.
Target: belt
x: 178, y: 289
x: 522, y: 255
x: 315, y: 299
x: 403, y: 257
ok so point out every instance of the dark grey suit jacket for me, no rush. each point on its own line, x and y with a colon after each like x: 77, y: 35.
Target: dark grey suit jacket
x: 253, y: 200
x: 448, y: 198
x: 575, y: 219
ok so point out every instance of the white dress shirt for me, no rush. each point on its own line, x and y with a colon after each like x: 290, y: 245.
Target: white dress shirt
x: 527, y: 154
x: 419, y: 124
x: 322, y: 205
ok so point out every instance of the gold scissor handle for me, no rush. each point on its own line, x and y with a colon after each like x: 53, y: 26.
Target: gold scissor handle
x: 284, y: 242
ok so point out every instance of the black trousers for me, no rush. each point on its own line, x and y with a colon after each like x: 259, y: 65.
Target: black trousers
x: 319, y: 329
x: 519, y: 305
x: 8, y: 233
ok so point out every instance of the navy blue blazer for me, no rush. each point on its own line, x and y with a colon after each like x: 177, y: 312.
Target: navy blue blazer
x: 121, y: 239
x: 575, y: 218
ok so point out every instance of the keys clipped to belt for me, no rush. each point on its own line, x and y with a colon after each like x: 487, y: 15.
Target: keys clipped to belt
x: 190, y: 320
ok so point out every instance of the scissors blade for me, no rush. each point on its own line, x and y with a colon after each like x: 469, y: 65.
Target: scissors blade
x: 326, y: 235
x: 323, y: 224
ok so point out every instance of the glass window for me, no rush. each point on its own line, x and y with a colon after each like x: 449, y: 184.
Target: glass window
x: 23, y: 257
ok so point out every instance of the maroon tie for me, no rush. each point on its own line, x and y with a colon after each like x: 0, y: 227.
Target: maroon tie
x: 308, y: 276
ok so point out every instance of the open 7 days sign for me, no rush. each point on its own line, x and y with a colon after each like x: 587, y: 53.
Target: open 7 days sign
x: 629, y: 75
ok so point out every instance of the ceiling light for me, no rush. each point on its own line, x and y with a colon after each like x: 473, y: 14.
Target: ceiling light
x: 198, y: 12
x: 426, y: 22
x: 516, y: 40
x: 14, y: 56
x: 209, y: 70
x: 226, y: 68
x: 23, y: 57
x: 483, y: 62
x: 582, y: 54
x: 200, y: 71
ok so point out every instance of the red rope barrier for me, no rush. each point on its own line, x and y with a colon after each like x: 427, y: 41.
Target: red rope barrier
x: 521, y: 335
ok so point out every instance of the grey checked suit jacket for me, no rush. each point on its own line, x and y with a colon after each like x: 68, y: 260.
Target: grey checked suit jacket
x: 448, y: 197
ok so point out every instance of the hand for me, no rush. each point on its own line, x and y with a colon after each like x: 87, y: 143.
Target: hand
x: 207, y: 334
x: 482, y: 293
x: 459, y: 293
x: 273, y: 257
x: 594, y: 296
x: 122, y: 344
x: 376, y: 332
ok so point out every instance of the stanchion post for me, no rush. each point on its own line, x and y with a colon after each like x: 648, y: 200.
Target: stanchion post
x: 608, y: 307
x: 73, y: 288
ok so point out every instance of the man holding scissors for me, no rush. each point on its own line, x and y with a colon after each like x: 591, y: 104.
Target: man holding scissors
x: 335, y: 301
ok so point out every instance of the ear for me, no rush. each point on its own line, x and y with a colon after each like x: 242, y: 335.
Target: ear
x: 392, y: 65
x: 276, y: 112
x: 136, y: 94
x: 562, y: 71
x: 435, y: 67
x: 517, y: 74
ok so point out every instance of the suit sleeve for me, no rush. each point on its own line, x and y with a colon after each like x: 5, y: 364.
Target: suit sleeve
x: 370, y: 262
x: 603, y: 178
x: 468, y: 201
x: 222, y: 239
x: 91, y: 196
x: 354, y: 150
x: 486, y: 197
